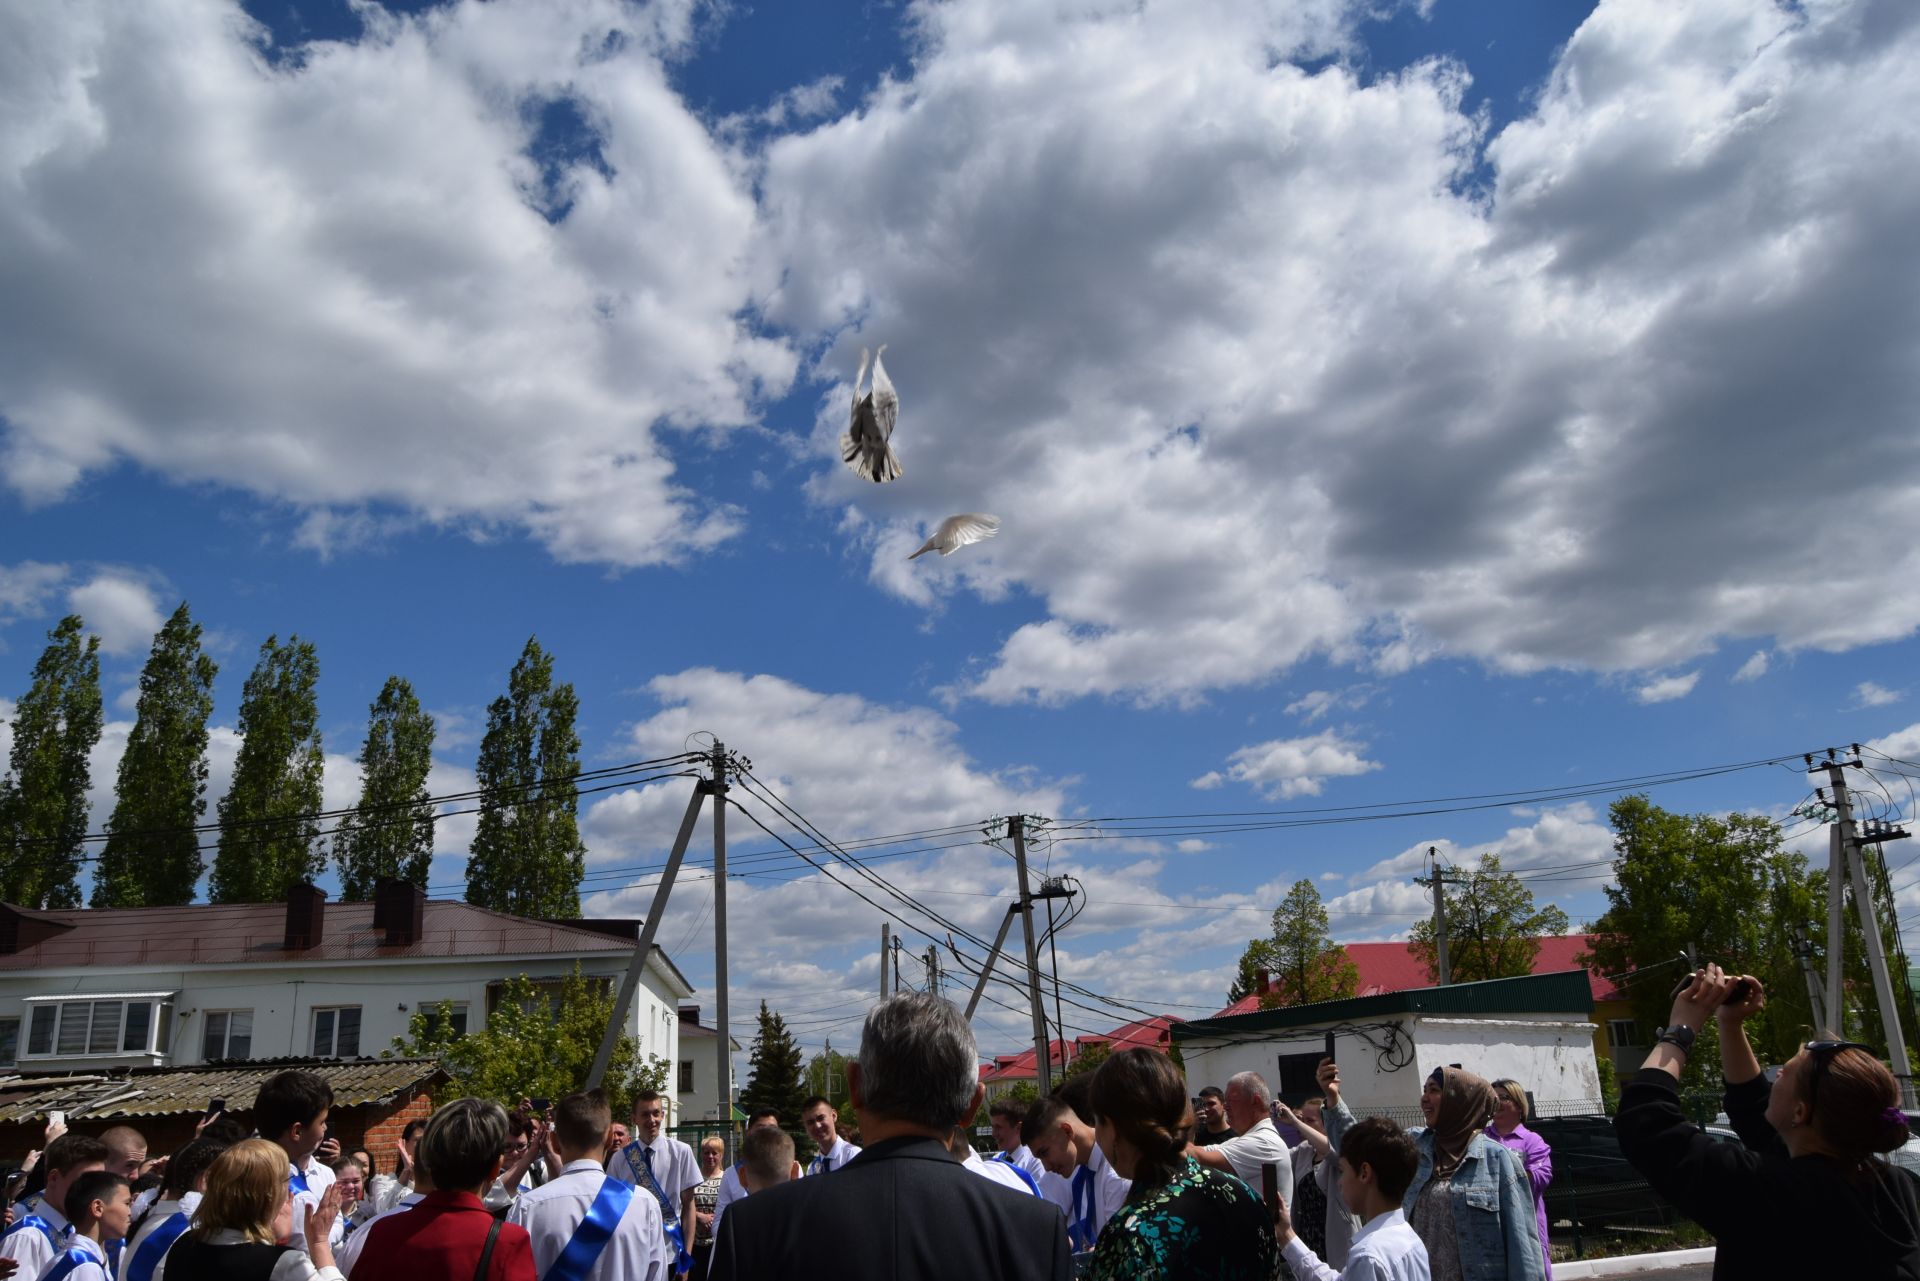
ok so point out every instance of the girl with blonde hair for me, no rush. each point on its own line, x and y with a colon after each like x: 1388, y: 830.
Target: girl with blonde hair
x: 244, y: 1220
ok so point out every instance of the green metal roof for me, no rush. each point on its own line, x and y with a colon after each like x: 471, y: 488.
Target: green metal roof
x: 1567, y: 992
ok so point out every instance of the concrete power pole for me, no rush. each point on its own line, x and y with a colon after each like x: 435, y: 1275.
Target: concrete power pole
x: 1848, y: 843
x: 1439, y: 881
x: 1042, y: 1061
x: 719, y: 787
x: 886, y: 955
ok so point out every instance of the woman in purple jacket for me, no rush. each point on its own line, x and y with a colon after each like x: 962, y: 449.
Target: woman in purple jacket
x: 1507, y: 1127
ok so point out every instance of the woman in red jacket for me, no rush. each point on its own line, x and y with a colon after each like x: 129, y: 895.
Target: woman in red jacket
x: 449, y: 1236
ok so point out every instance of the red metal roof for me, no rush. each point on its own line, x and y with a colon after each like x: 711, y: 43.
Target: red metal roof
x: 1393, y: 967
x: 1153, y: 1033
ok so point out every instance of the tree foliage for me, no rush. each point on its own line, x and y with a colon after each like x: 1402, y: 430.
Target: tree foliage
x: 1088, y: 1060
x: 269, y: 835
x: 527, y: 855
x: 390, y: 832
x: 43, y: 797
x: 152, y: 856
x: 774, y: 1079
x: 539, y: 1042
x: 1304, y: 962
x: 1493, y: 926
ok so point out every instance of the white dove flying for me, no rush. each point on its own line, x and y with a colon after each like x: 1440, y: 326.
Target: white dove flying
x: 866, y: 443
x: 956, y: 532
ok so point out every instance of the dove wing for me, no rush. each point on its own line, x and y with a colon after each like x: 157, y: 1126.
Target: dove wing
x: 968, y: 527
x: 886, y: 401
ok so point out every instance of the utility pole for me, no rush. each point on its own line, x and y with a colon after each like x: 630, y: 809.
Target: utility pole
x: 1042, y: 1065
x: 932, y: 961
x: 886, y: 952
x: 993, y: 954
x: 1439, y: 881
x: 1816, y: 999
x: 1849, y: 843
x: 719, y: 787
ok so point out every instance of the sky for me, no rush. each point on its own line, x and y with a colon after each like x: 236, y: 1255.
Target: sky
x: 1382, y: 402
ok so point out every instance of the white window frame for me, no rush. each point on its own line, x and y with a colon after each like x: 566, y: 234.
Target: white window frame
x: 333, y: 1035
x: 226, y: 1037
x: 460, y: 1010
x: 153, y: 1044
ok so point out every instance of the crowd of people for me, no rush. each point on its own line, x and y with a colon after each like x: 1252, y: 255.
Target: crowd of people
x: 1119, y: 1173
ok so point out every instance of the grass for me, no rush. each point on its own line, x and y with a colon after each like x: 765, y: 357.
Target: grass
x: 1611, y: 1243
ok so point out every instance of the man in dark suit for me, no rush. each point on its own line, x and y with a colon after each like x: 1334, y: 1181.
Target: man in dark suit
x: 903, y: 1208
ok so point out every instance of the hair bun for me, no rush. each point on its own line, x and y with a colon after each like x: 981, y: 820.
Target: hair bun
x: 1893, y: 1131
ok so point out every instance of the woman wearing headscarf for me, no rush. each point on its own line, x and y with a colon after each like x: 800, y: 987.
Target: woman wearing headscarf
x: 1469, y: 1200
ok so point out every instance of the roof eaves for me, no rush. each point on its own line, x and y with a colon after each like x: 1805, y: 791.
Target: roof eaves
x: 1562, y: 992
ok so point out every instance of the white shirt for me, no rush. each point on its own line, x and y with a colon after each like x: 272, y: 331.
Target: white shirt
x: 319, y: 1178
x: 552, y: 1212
x: 1000, y: 1172
x: 1023, y: 1157
x: 1056, y: 1190
x: 1109, y: 1190
x: 674, y: 1168
x: 93, y: 1270
x: 291, y: 1266
x: 1387, y: 1249
x: 144, y: 1200
x: 834, y: 1157
x: 731, y: 1190
x: 348, y: 1253
x: 162, y: 1211
x: 29, y: 1246
x: 1261, y: 1145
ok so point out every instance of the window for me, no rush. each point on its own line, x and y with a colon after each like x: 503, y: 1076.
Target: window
x: 456, y: 1016
x: 686, y: 1076
x: 336, y: 1033
x: 1624, y: 1034
x: 98, y: 1027
x: 229, y: 1035
x: 1295, y: 1080
x: 9, y: 1042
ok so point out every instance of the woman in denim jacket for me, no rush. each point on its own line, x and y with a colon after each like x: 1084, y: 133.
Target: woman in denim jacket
x: 1477, y: 1218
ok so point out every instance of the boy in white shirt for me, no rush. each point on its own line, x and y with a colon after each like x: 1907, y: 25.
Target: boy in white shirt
x: 1377, y: 1162
x: 99, y: 1205
x: 39, y: 1230
x: 609, y: 1228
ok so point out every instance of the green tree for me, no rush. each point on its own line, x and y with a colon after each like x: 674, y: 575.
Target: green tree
x: 152, y: 857
x: 774, y: 1079
x: 43, y: 798
x: 539, y: 1042
x: 1724, y: 886
x: 390, y: 832
x: 527, y: 855
x: 1304, y: 962
x: 1089, y: 1060
x: 269, y: 835
x: 1493, y: 926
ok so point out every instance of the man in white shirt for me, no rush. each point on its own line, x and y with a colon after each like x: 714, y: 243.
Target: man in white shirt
x: 1005, y: 1118
x: 822, y: 1125
x: 40, y: 1228
x: 1063, y: 1140
x: 731, y: 1189
x: 661, y: 1166
x: 172, y: 1213
x: 1256, y: 1142
x: 291, y: 1110
x: 1005, y: 1173
x: 766, y: 1161
x: 607, y: 1228
x: 1377, y: 1162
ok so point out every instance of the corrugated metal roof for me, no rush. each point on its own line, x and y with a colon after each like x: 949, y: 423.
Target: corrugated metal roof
x: 174, y: 1091
x: 1567, y: 992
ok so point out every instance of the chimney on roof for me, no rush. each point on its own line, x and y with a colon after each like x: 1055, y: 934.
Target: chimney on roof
x: 690, y: 1014
x: 399, y: 908
x: 306, y: 916
x: 1263, y: 982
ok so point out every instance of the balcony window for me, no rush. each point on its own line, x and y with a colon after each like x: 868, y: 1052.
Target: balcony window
x: 115, y: 1026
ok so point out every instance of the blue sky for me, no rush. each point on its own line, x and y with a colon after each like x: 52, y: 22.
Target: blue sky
x: 1381, y: 403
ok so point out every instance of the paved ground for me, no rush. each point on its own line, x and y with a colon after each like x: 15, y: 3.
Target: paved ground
x: 1697, y: 1272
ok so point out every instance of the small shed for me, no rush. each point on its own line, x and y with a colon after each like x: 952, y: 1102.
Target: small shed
x: 1537, y: 1029
x: 373, y: 1099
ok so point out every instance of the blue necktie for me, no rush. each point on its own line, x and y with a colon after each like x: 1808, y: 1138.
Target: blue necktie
x: 1083, y: 1219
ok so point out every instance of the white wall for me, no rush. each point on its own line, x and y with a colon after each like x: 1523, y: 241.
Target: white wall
x: 700, y: 1103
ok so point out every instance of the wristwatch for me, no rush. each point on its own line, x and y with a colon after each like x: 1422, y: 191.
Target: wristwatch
x: 1680, y: 1035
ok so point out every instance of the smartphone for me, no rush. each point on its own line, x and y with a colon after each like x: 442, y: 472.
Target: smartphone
x: 1270, y: 1183
x: 1330, y: 1047
x: 1741, y: 990
x: 56, y: 1118
x: 216, y: 1107
x: 540, y: 1106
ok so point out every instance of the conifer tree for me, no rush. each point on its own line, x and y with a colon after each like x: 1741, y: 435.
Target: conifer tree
x: 269, y: 837
x: 390, y: 833
x: 152, y: 857
x: 773, y: 1076
x: 527, y: 856
x: 43, y: 797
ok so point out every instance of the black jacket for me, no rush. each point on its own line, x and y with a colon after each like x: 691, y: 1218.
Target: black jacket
x: 901, y: 1209
x: 1771, y: 1215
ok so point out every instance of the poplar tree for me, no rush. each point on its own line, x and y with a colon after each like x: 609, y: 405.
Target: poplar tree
x: 527, y: 856
x: 390, y: 833
x: 269, y: 832
x: 152, y: 857
x: 43, y: 798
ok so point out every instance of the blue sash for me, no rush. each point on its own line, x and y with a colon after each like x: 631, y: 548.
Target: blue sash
x: 115, y: 1248
x: 296, y: 1180
x: 33, y: 1221
x: 1080, y: 1222
x: 669, y: 1213
x: 154, y: 1248
x: 67, y: 1260
x: 1025, y: 1178
x: 593, y: 1234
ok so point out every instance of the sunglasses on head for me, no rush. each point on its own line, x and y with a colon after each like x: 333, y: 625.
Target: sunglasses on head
x: 1823, y: 1052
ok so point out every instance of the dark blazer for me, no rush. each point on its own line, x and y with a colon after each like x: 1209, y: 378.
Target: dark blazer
x: 440, y: 1239
x: 901, y: 1209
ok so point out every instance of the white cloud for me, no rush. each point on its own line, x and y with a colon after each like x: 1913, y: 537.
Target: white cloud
x: 1193, y: 846
x: 1287, y: 767
x: 26, y: 588
x: 1870, y: 694
x: 1903, y: 743
x: 1754, y: 668
x: 367, y: 223
x: 120, y: 609
x: 1665, y: 689
x: 1702, y: 220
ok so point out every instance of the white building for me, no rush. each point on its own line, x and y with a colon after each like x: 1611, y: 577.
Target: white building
x: 697, y: 1072
x: 176, y: 986
x: 1536, y: 1029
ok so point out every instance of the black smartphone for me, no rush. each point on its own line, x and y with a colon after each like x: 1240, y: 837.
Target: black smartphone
x: 1330, y: 1047
x: 1741, y: 990
x: 540, y: 1106
x: 1270, y: 1183
x: 216, y: 1107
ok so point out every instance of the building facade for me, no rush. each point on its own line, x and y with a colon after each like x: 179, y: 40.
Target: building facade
x: 696, y: 1077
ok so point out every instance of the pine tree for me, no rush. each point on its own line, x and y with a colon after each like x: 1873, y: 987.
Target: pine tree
x: 43, y: 798
x: 152, y: 857
x: 774, y: 1079
x: 1303, y: 961
x: 390, y: 833
x: 527, y: 855
x: 269, y: 837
